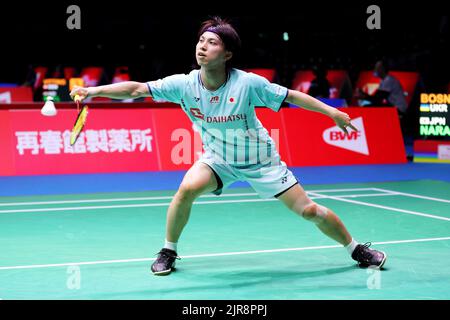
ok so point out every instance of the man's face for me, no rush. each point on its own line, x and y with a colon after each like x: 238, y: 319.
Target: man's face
x: 210, y: 50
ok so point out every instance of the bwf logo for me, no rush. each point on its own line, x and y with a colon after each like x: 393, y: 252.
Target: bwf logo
x: 354, y: 141
x: 339, y: 135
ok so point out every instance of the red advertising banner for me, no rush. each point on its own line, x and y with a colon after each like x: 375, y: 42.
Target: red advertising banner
x: 178, y: 144
x: 16, y: 94
x: 315, y: 140
x: 435, y: 151
x: 6, y: 145
x: 130, y: 139
x: 273, y: 122
x: 113, y: 141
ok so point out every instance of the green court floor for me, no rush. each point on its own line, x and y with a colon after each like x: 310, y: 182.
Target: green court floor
x: 236, y: 246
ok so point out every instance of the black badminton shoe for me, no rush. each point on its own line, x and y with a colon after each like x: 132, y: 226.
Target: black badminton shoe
x: 165, y: 262
x: 367, y: 257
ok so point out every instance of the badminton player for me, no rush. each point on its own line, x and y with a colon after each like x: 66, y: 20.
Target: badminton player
x: 220, y: 101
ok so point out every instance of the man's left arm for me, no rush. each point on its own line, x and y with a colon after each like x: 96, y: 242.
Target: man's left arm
x: 305, y: 101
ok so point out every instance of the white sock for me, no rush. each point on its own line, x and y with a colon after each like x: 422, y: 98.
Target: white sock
x: 171, y: 245
x: 350, y: 247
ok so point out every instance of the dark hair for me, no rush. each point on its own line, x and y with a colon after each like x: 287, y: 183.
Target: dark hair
x: 320, y: 71
x: 225, y: 31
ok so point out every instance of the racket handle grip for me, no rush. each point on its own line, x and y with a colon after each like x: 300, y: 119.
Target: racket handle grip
x: 77, y: 98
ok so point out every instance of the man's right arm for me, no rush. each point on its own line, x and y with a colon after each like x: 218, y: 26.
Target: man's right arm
x: 121, y: 90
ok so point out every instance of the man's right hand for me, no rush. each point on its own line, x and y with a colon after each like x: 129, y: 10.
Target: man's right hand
x: 83, y: 93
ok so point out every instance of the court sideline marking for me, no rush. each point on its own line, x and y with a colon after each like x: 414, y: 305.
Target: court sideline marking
x: 340, y: 198
x: 412, y: 195
x: 384, y: 192
x: 36, y: 266
x: 163, y: 197
x: 314, y: 195
x: 148, y: 204
x: 164, y: 204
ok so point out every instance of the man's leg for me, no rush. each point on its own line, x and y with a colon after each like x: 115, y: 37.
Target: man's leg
x: 198, y: 180
x: 329, y: 223
x: 326, y: 220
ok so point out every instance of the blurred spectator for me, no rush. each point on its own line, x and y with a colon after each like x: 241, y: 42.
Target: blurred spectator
x: 389, y: 93
x: 320, y: 86
x: 30, y: 78
x: 121, y: 74
x: 57, y: 71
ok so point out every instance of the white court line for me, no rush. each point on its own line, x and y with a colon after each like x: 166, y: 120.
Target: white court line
x: 340, y: 198
x: 155, y: 198
x: 341, y: 190
x: 412, y: 195
x: 36, y: 266
x: 162, y: 204
x: 128, y: 206
x: 117, y: 199
x: 314, y: 196
x: 367, y: 195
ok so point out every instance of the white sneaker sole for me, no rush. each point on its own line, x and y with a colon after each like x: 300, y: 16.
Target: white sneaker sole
x: 164, y: 272
x: 384, y: 260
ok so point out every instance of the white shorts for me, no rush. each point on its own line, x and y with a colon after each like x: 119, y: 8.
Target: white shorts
x: 268, y: 181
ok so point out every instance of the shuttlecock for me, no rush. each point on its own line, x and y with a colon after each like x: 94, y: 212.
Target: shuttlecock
x: 49, y: 109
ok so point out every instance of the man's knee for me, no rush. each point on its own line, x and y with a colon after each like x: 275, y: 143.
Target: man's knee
x: 314, y: 212
x: 189, y: 191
